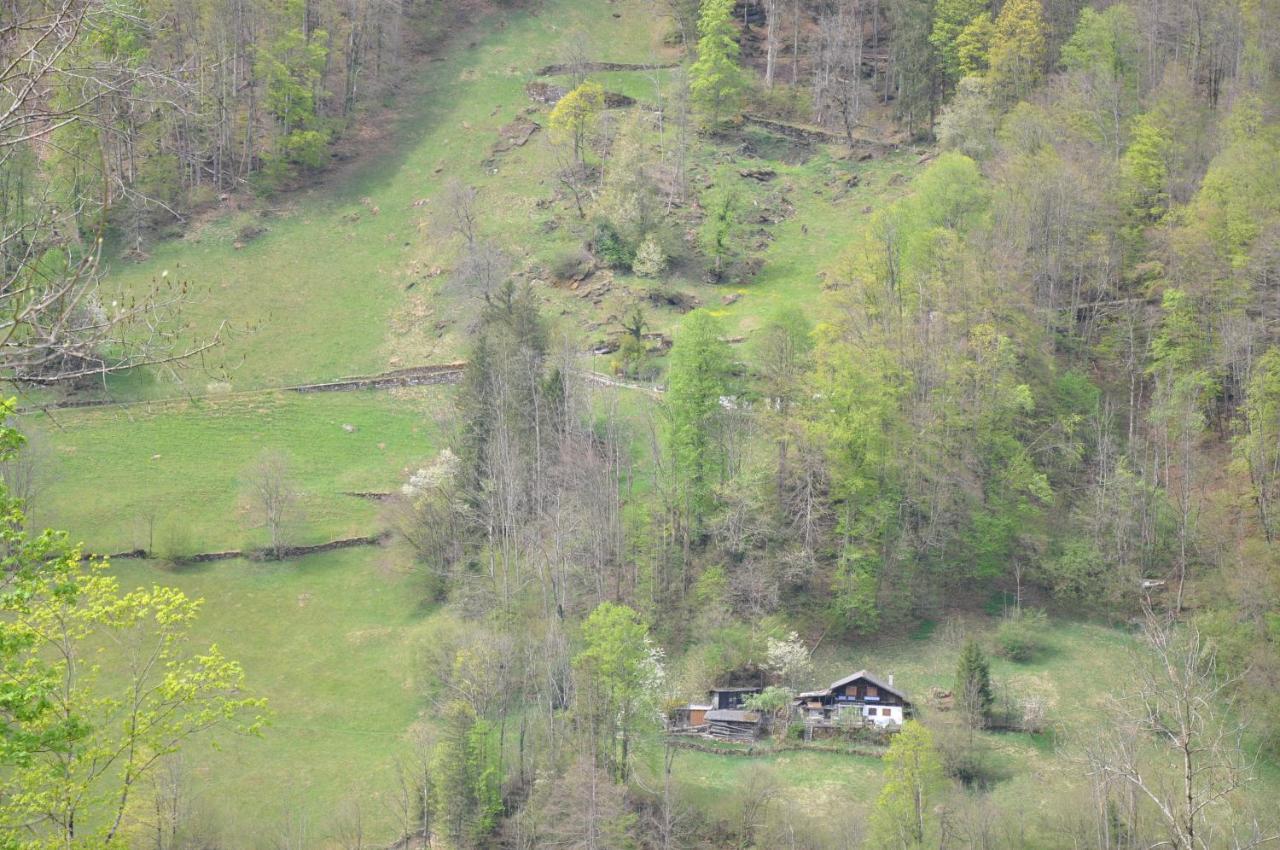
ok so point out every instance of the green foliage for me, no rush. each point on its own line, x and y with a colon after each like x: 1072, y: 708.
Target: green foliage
x: 698, y: 377
x: 1146, y: 167
x: 465, y: 785
x: 904, y: 815
x: 1021, y: 635
x: 1106, y: 45
x: 950, y: 19
x: 1239, y: 200
x: 576, y: 114
x: 1018, y: 47
x: 620, y: 676
x: 716, y: 82
x: 611, y: 248
x: 973, y: 693
x: 719, y: 234
x: 973, y: 45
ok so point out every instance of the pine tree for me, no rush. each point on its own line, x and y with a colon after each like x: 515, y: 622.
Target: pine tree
x: 716, y: 82
x: 973, y: 684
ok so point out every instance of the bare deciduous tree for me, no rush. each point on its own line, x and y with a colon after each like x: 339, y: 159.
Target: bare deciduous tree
x: 274, y: 496
x: 1177, y: 741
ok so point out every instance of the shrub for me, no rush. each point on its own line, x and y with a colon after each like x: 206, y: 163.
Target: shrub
x: 569, y: 264
x: 1020, y: 637
x: 611, y: 248
x: 174, y: 541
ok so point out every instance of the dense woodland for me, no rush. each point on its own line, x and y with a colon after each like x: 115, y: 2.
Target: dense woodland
x: 1050, y: 372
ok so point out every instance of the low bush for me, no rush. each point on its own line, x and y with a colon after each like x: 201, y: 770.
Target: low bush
x: 1020, y: 637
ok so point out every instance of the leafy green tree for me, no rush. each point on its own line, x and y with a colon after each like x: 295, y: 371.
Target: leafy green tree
x: 904, y: 815
x: 719, y: 234
x: 576, y: 114
x: 1018, y: 48
x: 716, y: 81
x: 774, y: 703
x: 1146, y: 168
x: 697, y: 379
x: 973, y: 45
x: 950, y: 19
x: 973, y: 692
x: 292, y: 66
x: 79, y: 734
x: 618, y: 677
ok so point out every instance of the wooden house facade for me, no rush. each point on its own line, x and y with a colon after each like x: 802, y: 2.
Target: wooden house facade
x: 876, y: 702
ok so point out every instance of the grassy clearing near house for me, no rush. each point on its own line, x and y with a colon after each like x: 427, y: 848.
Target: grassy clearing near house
x: 1084, y: 664
x: 186, y: 465
x: 330, y: 641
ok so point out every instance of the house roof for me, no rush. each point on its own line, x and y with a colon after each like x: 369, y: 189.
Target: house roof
x: 735, y: 690
x: 732, y: 716
x: 863, y: 674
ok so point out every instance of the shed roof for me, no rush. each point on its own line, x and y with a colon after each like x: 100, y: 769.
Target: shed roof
x: 728, y: 715
x: 749, y: 689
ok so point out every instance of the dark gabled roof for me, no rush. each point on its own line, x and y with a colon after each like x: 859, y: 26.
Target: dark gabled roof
x: 863, y: 674
x: 735, y: 690
x: 727, y: 715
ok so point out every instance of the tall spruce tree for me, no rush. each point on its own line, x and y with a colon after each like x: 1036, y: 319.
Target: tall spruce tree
x: 973, y: 684
x: 716, y: 82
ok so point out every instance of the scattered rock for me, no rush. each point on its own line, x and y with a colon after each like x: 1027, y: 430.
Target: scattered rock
x: 515, y: 135
x: 897, y: 179
x: 853, y: 180
x: 350, y: 429
x: 731, y: 298
x: 418, y: 204
x: 867, y: 157
x: 545, y: 92
x: 760, y: 174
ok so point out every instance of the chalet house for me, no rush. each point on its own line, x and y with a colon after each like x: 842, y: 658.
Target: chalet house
x: 875, y: 701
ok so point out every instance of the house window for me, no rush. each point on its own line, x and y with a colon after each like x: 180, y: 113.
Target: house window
x: 871, y: 691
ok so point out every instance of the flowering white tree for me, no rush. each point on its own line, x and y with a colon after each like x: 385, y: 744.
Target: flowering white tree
x: 790, y: 660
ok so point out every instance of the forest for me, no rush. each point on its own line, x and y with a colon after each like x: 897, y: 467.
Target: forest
x: 434, y: 397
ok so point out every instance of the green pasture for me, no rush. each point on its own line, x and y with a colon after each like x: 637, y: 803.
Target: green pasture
x: 180, y: 472
x: 330, y: 641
